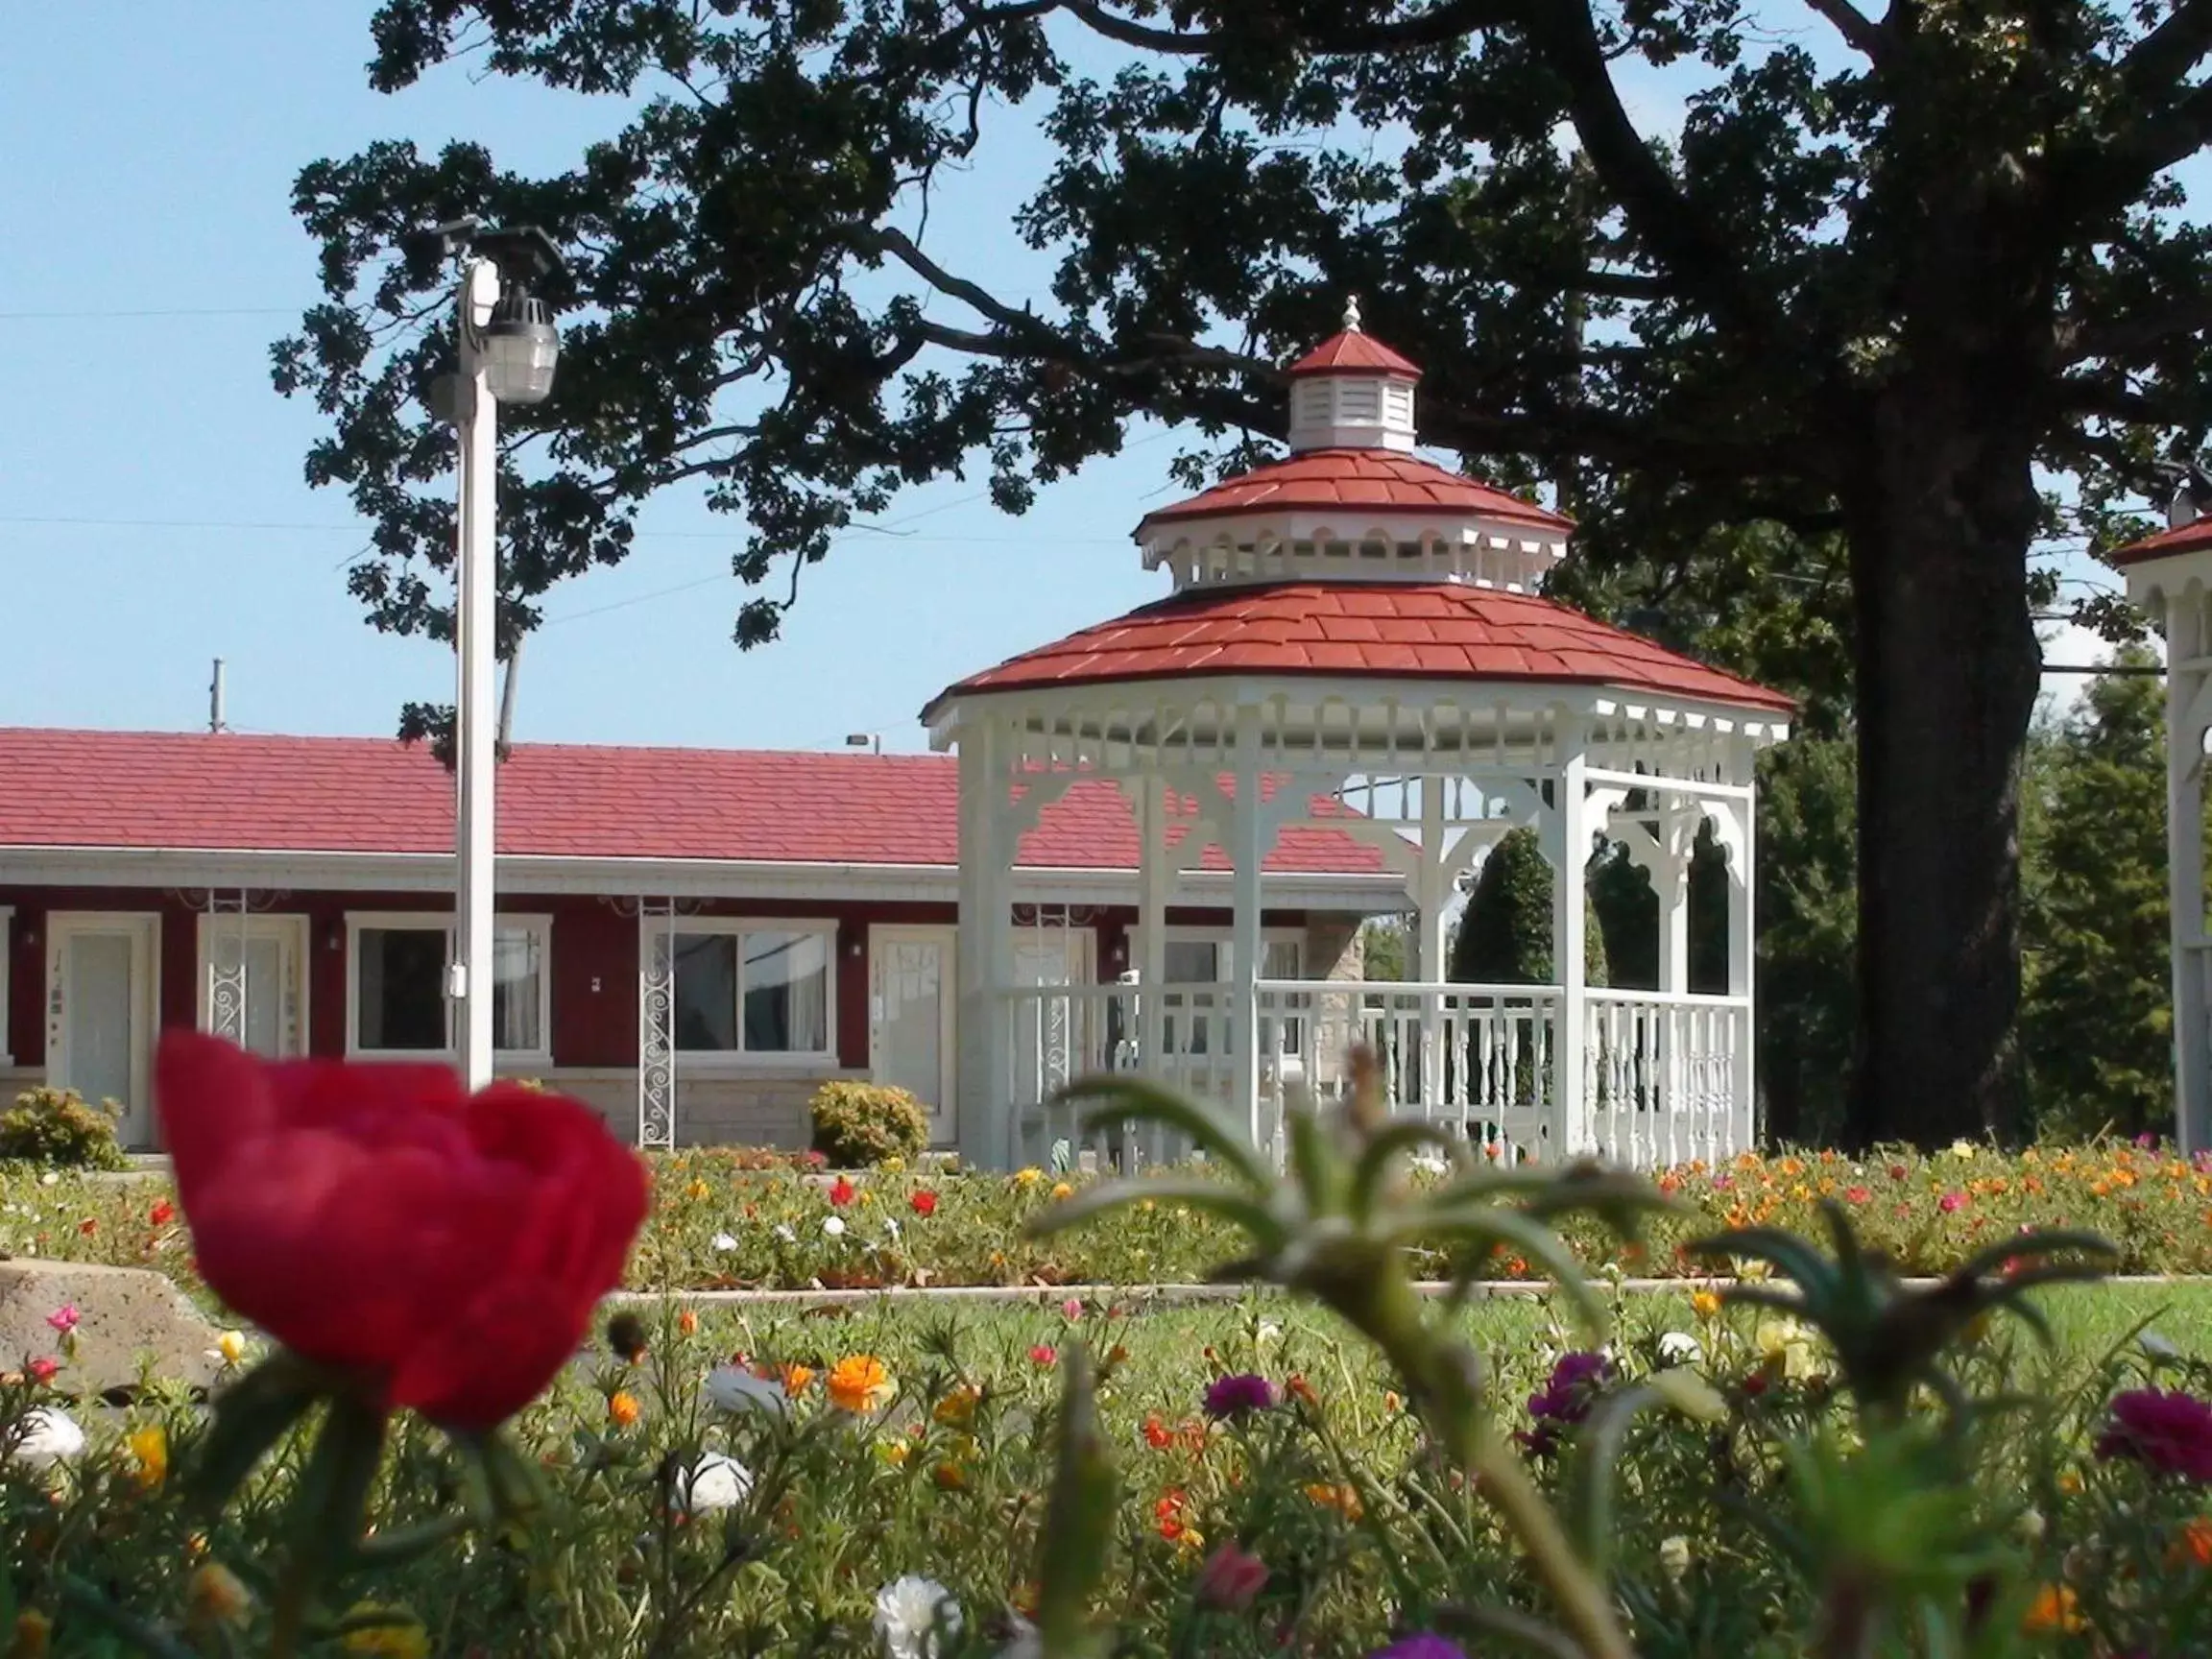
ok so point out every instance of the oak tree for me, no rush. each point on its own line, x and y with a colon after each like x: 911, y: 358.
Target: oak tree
x: 1899, y: 268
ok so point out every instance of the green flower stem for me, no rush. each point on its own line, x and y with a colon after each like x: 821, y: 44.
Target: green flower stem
x: 1376, y: 1299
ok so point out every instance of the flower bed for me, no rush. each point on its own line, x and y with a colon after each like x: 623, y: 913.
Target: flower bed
x: 1274, y: 1493
x: 720, y: 1222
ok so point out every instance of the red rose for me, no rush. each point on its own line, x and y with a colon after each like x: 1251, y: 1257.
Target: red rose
x: 450, y: 1249
x: 925, y: 1203
x: 161, y: 1214
x: 842, y: 1191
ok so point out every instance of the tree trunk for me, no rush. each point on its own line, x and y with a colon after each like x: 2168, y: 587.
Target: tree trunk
x: 1940, y: 508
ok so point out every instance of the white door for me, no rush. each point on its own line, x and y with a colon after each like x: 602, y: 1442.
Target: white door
x: 913, y: 990
x: 1056, y: 1039
x: 253, y: 981
x: 100, y: 1012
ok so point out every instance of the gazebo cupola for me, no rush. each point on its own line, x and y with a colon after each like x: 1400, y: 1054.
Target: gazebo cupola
x: 1353, y: 502
x: 1352, y: 392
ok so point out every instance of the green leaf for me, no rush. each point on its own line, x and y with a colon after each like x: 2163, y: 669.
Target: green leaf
x: 396, y: 1549
x: 324, y: 1519
x: 1488, y: 1223
x: 1790, y: 1253
x: 1393, y: 1140
x: 1124, y: 1098
x: 1079, y: 1516
x: 1598, y: 1444
x: 250, y: 1417
x: 1215, y: 1197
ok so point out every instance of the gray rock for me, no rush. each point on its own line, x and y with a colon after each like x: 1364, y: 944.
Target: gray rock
x: 127, y: 1317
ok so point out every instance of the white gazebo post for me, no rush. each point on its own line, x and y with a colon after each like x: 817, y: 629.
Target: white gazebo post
x: 988, y: 1136
x: 2170, y: 577
x: 1432, y: 892
x: 1571, y: 1106
x: 1155, y: 876
x: 1248, y: 838
x: 1743, y: 940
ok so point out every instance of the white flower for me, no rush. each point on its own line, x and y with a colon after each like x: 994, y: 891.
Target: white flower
x: 1268, y: 1333
x: 1429, y: 1163
x: 1674, y: 1557
x: 833, y: 1226
x: 735, y: 1389
x: 713, y: 1483
x: 1024, y: 1642
x: 890, y: 1227
x: 2028, y: 1527
x: 1961, y: 1148
x: 782, y: 1230
x: 724, y: 1242
x: 1680, y: 1348
x: 910, y: 1612
x: 50, y: 1436
x: 50, y: 1179
x: 2157, y: 1346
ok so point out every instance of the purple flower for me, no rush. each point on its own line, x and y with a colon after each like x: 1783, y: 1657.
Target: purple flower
x: 1564, y: 1400
x: 1421, y: 1645
x: 2171, y: 1432
x: 1240, y: 1393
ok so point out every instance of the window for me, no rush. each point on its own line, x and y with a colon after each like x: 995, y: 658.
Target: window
x: 399, y: 1006
x: 754, y: 988
x: 1205, y: 962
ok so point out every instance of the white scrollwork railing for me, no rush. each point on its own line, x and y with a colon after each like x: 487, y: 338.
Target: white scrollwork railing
x: 656, y: 1025
x: 1660, y: 1076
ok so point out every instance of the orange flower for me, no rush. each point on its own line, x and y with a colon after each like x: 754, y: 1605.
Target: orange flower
x: 688, y: 1322
x: 2056, y: 1608
x: 2193, y: 1543
x: 1298, y: 1388
x: 1344, y: 1500
x: 796, y: 1379
x: 1157, y: 1435
x: 622, y: 1408
x: 859, y: 1382
x: 1168, y: 1513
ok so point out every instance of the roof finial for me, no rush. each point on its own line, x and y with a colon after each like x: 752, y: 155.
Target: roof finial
x: 1352, y: 313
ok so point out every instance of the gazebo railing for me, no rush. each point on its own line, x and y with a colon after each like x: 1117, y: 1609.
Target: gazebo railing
x: 1659, y: 1070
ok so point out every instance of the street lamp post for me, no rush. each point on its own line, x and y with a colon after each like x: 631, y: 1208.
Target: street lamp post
x: 508, y: 349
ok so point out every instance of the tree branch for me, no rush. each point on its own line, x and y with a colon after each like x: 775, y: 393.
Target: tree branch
x: 2124, y: 336
x: 1660, y: 214
x: 1445, y: 23
x: 2159, y: 60
x: 1860, y: 32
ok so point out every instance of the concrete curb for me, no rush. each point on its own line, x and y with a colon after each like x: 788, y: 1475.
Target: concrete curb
x: 1174, y: 1295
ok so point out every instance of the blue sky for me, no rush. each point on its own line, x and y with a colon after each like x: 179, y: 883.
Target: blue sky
x: 151, y: 512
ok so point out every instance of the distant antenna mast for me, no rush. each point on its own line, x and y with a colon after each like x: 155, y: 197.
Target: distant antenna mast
x: 871, y: 741
x: 507, y: 699
x: 215, y: 700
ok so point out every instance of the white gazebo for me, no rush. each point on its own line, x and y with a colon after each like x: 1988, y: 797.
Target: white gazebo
x: 2170, y: 577
x: 1356, y: 638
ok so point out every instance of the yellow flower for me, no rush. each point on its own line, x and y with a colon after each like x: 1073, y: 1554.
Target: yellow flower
x: 149, y: 1446
x: 396, y: 1634
x: 2056, y: 1608
x: 1961, y: 1148
x: 1027, y: 1177
x: 231, y: 1345
x: 1061, y: 1189
x: 213, y: 1595
x: 622, y: 1408
x: 2070, y: 1481
x: 697, y: 1189
x: 892, y: 1165
x: 859, y: 1382
x: 893, y: 1452
x: 1787, y: 1345
x: 1705, y: 1303
x: 33, y: 1634
x: 958, y: 1408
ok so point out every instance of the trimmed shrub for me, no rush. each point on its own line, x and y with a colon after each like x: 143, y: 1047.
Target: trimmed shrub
x: 1504, y: 938
x: 55, y: 1127
x: 863, y: 1125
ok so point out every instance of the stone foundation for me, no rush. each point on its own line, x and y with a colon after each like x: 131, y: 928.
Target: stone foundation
x: 752, y: 1108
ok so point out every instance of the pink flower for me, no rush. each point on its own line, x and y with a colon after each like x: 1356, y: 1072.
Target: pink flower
x: 1951, y: 1203
x: 1229, y: 1580
x: 1045, y: 1354
x: 64, y: 1318
x: 2171, y: 1432
x: 1072, y: 1308
x: 44, y: 1370
x: 1858, y: 1194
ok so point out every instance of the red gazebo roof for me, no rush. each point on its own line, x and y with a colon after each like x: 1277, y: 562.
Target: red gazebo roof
x: 1352, y: 353
x: 1320, y: 480
x: 2190, y: 538
x: 1381, y: 630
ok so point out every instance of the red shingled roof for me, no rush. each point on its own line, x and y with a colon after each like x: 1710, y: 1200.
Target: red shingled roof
x: 1321, y: 479
x: 1353, y: 352
x: 192, y: 790
x: 2191, y: 537
x: 1384, y: 630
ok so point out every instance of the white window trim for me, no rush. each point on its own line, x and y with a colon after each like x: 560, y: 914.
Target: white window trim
x: 696, y: 1060
x: 7, y: 954
x: 1223, y: 937
x: 441, y: 921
